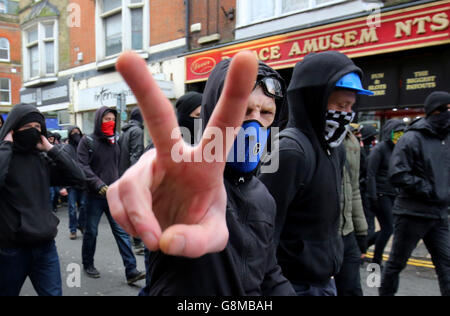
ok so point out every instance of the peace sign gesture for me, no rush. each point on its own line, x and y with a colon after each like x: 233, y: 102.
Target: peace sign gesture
x: 179, y: 207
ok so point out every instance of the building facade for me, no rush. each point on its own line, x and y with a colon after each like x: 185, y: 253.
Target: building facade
x: 10, y: 56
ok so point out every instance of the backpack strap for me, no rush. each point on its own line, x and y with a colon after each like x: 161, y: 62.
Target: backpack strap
x: 305, y: 144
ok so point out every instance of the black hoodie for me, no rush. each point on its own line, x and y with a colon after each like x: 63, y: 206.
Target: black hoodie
x: 131, y: 141
x: 420, y: 168
x: 308, y: 182
x: 378, y: 165
x: 25, y: 178
x: 248, y: 264
x: 98, y: 157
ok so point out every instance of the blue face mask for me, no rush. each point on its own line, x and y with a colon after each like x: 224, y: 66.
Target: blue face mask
x: 248, y: 147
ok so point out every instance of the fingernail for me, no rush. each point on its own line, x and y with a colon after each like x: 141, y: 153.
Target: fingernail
x: 177, y: 244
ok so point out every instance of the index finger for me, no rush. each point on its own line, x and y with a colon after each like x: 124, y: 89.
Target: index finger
x: 156, y: 109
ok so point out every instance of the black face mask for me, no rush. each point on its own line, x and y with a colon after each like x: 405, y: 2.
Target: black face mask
x: 75, y: 139
x: 26, y: 140
x: 440, y: 123
x: 185, y: 120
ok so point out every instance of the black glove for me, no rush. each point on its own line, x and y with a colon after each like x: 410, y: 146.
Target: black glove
x: 362, y: 243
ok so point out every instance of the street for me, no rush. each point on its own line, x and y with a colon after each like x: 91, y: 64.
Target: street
x: 414, y: 281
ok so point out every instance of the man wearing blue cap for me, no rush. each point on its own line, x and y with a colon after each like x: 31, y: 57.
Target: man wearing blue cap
x: 307, y: 185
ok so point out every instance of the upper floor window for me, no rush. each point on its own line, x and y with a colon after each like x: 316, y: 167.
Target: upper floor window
x: 4, y: 49
x: 253, y: 11
x: 5, y: 91
x: 40, y: 47
x: 3, y: 6
x: 121, y: 25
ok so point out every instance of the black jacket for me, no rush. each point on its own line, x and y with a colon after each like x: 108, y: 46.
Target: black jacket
x: 131, y: 142
x: 248, y: 264
x: 378, y: 165
x: 307, y: 185
x: 25, y: 178
x: 420, y: 168
x: 72, y: 151
x: 98, y: 157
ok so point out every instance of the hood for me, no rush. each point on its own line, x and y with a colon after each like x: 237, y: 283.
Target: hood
x: 136, y: 116
x: 422, y: 125
x: 16, y: 115
x: 71, y: 128
x: 98, y: 120
x: 392, y: 126
x: 313, y: 81
x: 435, y: 100
x: 188, y: 103
x: 215, y: 84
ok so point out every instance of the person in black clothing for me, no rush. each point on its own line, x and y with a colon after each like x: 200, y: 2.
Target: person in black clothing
x: 368, y: 137
x: 307, y: 185
x: 218, y: 238
x: 98, y: 154
x: 29, y: 165
x: 131, y: 141
x: 420, y: 168
x: 77, y: 195
x: 188, y: 113
x: 380, y: 191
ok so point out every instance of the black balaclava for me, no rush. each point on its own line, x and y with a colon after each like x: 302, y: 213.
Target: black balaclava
x: 136, y: 115
x: 75, y: 139
x: 27, y: 140
x: 439, y: 122
x: 185, y: 106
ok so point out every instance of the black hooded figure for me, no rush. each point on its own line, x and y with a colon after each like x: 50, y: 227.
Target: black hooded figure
x: 131, y: 141
x: 248, y: 264
x: 380, y: 191
x: 185, y: 105
x: 27, y: 225
x: 307, y: 185
x: 420, y: 169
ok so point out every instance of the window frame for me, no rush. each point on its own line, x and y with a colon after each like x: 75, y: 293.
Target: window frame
x: 106, y: 61
x: 40, y: 42
x: 244, y: 18
x: 8, y: 49
x: 9, y: 91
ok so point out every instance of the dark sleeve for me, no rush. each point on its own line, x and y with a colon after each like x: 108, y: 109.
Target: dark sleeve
x: 275, y: 284
x: 6, y: 154
x: 372, y: 169
x: 284, y: 184
x: 401, y: 169
x: 136, y: 145
x: 64, y: 171
x: 93, y: 182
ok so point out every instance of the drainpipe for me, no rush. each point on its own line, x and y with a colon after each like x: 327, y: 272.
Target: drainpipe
x: 187, y: 3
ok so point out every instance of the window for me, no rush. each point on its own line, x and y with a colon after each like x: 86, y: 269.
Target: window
x: 40, y: 57
x: 3, y: 6
x: 120, y: 26
x: 5, y: 91
x: 253, y: 11
x: 4, y: 49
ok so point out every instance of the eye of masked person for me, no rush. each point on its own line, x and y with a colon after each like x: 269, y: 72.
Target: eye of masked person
x: 261, y: 107
x: 31, y: 125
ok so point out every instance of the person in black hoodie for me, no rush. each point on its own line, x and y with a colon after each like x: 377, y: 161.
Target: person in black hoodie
x: 131, y: 141
x: 188, y: 112
x: 420, y: 168
x: 77, y: 195
x: 307, y: 185
x: 211, y: 232
x: 380, y: 191
x: 98, y: 155
x: 27, y: 225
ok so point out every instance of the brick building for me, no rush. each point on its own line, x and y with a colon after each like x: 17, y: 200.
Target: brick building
x: 10, y: 56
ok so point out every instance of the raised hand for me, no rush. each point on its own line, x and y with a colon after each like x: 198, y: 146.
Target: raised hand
x: 179, y: 208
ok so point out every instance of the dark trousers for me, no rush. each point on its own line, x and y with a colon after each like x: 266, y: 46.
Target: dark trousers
x: 95, y: 208
x: 408, y: 231
x: 39, y: 263
x: 348, y: 280
x: 328, y: 289
x: 370, y: 217
x: 77, y: 198
x: 382, y: 208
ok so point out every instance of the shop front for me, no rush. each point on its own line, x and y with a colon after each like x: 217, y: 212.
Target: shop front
x: 404, y: 52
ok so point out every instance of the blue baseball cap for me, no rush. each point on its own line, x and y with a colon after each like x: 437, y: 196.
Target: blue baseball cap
x: 352, y: 81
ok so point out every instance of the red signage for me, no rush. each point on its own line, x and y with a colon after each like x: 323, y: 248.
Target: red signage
x: 418, y: 26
